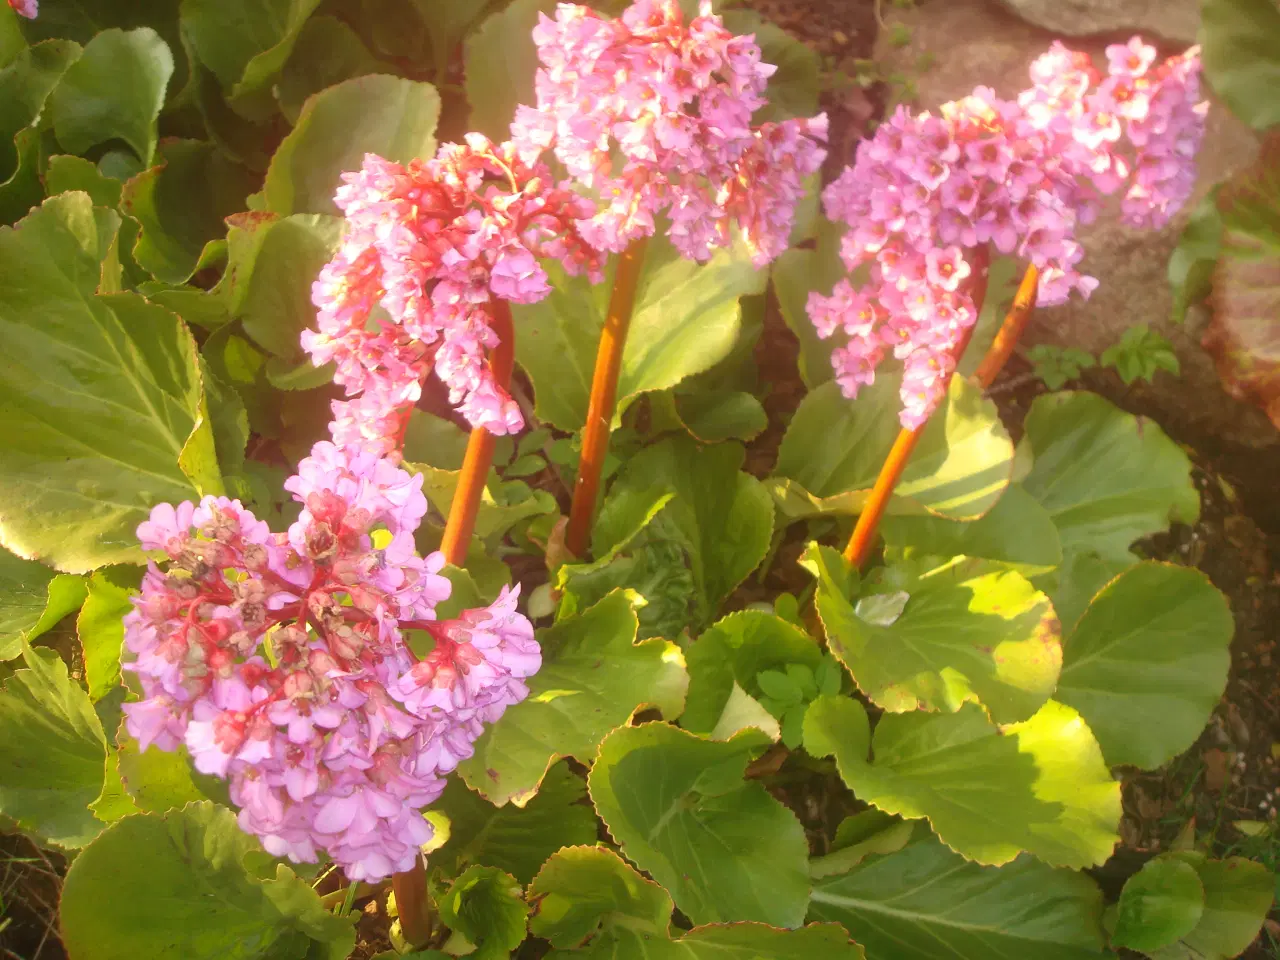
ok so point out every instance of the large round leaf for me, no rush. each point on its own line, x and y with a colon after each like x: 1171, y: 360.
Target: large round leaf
x: 924, y: 902
x: 114, y: 91
x: 1238, y: 894
x: 390, y: 116
x: 834, y: 448
x: 1148, y: 662
x: 52, y: 752
x: 485, y: 906
x: 969, y: 632
x: 175, y: 887
x: 101, y: 396
x: 1241, y: 60
x: 593, y: 905
x: 33, y: 599
x: 1106, y: 477
x: 990, y: 792
x: 500, y: 61
x: 1161, y: 903
x: 594, y: 676
x: 686, y: 320
x: 680, y: 809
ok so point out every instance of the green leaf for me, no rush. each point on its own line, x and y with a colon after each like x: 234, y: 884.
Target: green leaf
x: 25, y: 85
x: 589, y: 892
x: 181, y: 205
x: 102, y: 396
x: 327, y: 52
x: 1148, y: 662
x: 435, y: 441
x: 735, y: 651
x: 924, y: 902
x: 1241, y: 59
x: 493, y: 518
x: 686, y: 320
x: 515, y: 839
x: 1161, y: 903
x: 271, y: 265
x: 33, y: 599
x: 793, y: 88
x: 157, y: 780
x: 447, y: 24
x: 175, y: 887
x: 66, y: 173
x: 721, y: 415
x: 720, y: 519
x: 1106, y: 477
x: 970, y: 632
x: 245, y: 43
x: 990, y: 792
x: 795, y: 274
x: 679, y: 808
x: 52, y: 750
x: 1139, y: 353
x: 390, y: 116
x: 1238, y: 894
x: 485, y: 906
x: 834, y: 448
x: 100, y: 626
x: 1242, y: 337
x: 594, y: 677
x: 1017, y: 532
x: 499, y: 61
x: 1192, y: 262
x: 114, y: 91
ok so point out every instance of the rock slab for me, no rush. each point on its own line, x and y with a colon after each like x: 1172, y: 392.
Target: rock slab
x: 1173, y: 20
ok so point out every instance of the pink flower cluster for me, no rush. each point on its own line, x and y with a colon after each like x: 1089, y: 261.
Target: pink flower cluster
x: 280, y: 661
x: 425, y: 250
x: 675, y: 100
x: 26, y: 8
x: 1019, y: 175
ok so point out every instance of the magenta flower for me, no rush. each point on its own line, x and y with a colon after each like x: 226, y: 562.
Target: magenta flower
x: 26, y: 8
x: 674, y: 100
x: 279, y: 661
x: 1018, y: 175
x: 426, y: 250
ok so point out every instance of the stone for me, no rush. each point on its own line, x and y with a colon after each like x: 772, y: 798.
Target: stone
x: 1174, y: 20
x: 979, y: 42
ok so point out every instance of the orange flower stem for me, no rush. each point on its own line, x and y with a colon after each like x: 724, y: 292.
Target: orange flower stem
x: 864, y: 531
x: 479, y: 456
x: 604, y: 398
x: 410, y: 887
x: 1024, y: 304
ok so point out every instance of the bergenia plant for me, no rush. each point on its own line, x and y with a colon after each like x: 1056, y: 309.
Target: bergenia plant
x: 341, y: 633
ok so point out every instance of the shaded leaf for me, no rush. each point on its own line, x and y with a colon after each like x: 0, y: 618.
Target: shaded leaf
x: 593, y: 678
x: 114, y: 91
x: 485, y: 906
x: 33, y: 599
x: 175, y: 886
x: 1238, y: 894
x: 721, y: 415
x: 989, y: 792
x: 679, y: 808
x: 390, y: 116
x: 1243, y: 336
x: 686, y: 319
x: 1161, y: 903
x: 834, y: 447
x: 924, y: 901
x: 499, y: 61
x: 326, y: 52
x: 100, y: 625
x: 1148, y: 661
x: 66, y: 173
x: 1240, y: 57
x: 1192, y: 263
x: 52, y: 751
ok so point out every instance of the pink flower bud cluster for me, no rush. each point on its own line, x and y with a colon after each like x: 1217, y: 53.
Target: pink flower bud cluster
x: 26, y: 8
x: 1018, y: 175
x: 674, y: 100
x: 280, y: 661
x: 409, y: 291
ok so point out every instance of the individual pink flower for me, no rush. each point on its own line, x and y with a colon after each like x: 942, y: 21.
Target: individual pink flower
x: 26, y: 8
x: 1021, y: 176
x: 279, y: 661
x: 673, y: 99
x: 426, y: 251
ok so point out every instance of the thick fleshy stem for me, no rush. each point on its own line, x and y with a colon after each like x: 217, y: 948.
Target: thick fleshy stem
x: 604, y: 396
x: 475, y: 464
x: 864, y: 531
x: 410, y: 887
x: 1024, y: 304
